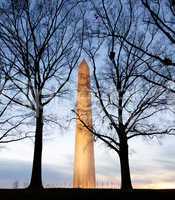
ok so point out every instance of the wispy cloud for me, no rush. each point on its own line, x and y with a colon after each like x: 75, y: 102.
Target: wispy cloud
x: 20, y: 171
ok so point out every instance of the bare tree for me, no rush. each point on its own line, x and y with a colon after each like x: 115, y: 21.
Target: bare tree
x: 15, y: 185
x: 160, y: 15
x: 10, y: 123
x: 128, y: 103
x: 39, y: 39
x: 157, y: 20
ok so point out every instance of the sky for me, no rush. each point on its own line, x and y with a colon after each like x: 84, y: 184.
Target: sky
x: 152, y: 162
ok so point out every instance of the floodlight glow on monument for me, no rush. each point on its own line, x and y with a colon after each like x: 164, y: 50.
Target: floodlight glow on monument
x: 84, y: 165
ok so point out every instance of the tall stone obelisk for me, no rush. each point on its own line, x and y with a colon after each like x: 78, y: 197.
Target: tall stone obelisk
x: 84, y: 164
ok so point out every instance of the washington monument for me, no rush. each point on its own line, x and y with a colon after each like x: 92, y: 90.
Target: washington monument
x: 84, y: 165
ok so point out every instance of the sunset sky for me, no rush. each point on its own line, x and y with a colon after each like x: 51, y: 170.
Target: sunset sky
x: 151, y: 161
x: 129, y: 48
x: 152, y: 164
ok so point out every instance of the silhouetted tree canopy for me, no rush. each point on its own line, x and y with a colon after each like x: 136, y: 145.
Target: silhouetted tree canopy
x: 123, y: 50
x: 39, y: 42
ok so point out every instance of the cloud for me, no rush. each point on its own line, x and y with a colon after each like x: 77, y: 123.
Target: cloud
x: 152, y: 166
x: 20, y: 171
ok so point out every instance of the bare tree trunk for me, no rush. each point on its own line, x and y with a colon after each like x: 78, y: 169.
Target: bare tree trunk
x: 36, y: 178
x: 125, y: 170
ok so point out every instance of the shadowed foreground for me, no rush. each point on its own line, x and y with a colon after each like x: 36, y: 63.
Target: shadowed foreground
x: 51, y: 194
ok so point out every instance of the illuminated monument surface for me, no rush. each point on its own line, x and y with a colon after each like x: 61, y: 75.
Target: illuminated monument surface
x: 84, y: 165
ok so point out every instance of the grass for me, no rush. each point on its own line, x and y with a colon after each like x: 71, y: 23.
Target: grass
x: 90, y: 194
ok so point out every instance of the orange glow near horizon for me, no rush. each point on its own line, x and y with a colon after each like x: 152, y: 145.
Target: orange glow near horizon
x: 111, y: 182
x: 160, y: 185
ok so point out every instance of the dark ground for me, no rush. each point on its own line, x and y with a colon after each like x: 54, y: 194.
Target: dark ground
x: 51, y: 194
